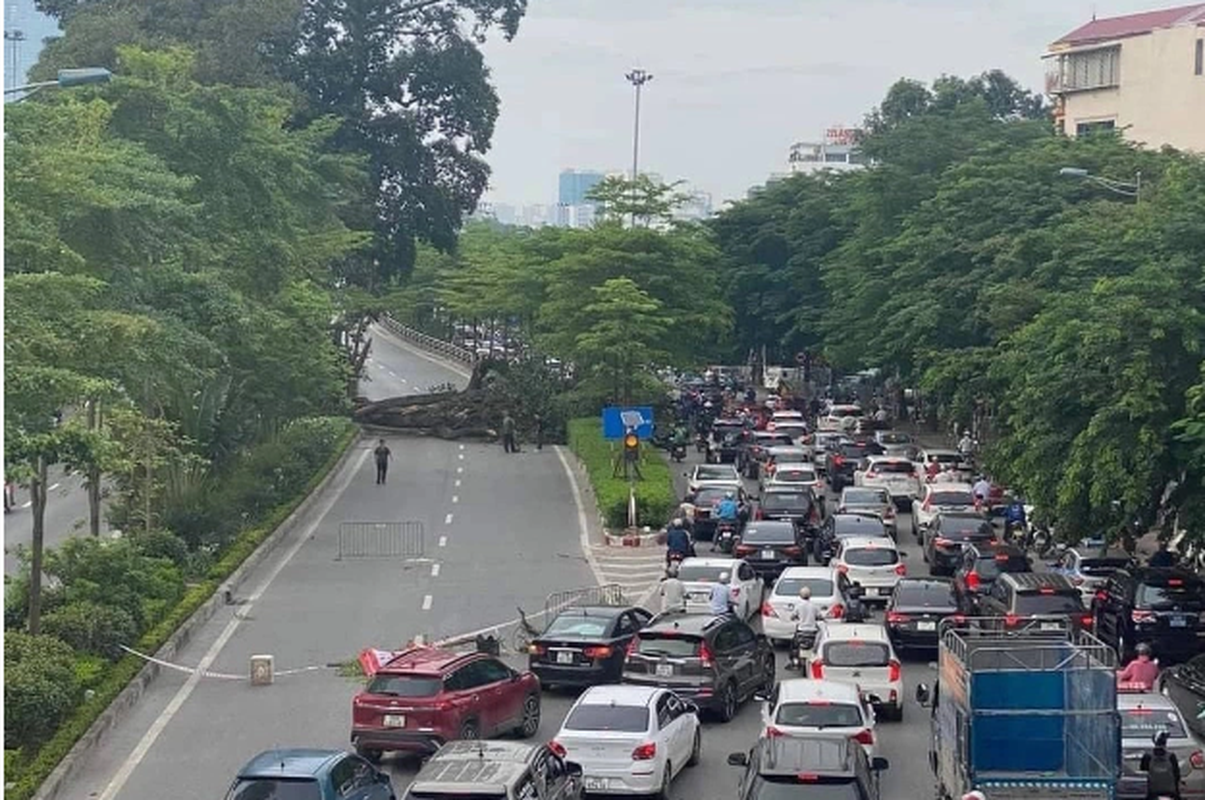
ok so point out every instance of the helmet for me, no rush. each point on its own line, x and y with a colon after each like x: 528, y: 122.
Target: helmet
x: 671, y: 571
x: 966, y: 433
x: 1143, y: 649
x: 805, y: 592
x: 724, y: 577
x: 708, y: 404
x: 729, y: 495
x: 1160, y: 739
x: 676, y: 523
x: 974, y: 795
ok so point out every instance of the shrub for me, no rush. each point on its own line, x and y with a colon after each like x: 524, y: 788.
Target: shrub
x: 92, y: 628
x: 89, y: 670
x: 40, y: 687
x: 116, y: 573
x: 655, y: 499
x: 161, y: 544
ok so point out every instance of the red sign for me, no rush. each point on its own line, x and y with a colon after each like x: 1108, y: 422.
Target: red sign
x: 841, y: 135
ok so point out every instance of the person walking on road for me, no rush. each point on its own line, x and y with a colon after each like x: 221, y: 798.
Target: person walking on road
x: 508, y: 433
x: 382, y: 454
x: 673, y: 594
x: 10, y: 495
x: 539, y: 432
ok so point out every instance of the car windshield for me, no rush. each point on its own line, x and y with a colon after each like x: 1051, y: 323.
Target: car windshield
x: 627, y: 719
x: 856, y: 654
x: 1053, y: 604
x: 895, y: 438
x: 714, y: 473
x: 789, y: 787
x: 795, y: 475
x: 989, y: 566
x: 275, y: 789
x: 1186, y: 594
x: 702, y: 573
x: 791, y: 501
x: 947, y: 498
x: 1143, y: 723
x: 964, y: 530
x: 789, y: 587
x: 864, y: 497
x: 650, y: 644
x: 870, y: 556
x: 709, y: 497
x: 579, y: 626
x: 926, y: 595
x: 819, y: 715
x: 1099, y: 567
x: 405, y: 685
x: 857, y: 526
x: 769, y: 534
x: 894, y: 467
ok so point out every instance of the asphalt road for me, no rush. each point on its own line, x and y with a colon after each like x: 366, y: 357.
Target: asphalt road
x: 391, y: 370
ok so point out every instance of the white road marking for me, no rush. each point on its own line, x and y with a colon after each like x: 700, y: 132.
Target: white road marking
x: 459, y: 470
x: 455, y: 498
x: 427, y: 600
x: 461, y: 456
x: 458, y: 483
x: 582, y: 525
x: 27, y: 504
x: 157, y: 727
x: 448, y: 520
x: 52, y: 487
x: 435, y: 570
x: 443, y: 541
x: 462, y: 447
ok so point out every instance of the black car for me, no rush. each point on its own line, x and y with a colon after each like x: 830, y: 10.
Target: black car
x: 716, y: 661
x: 703, y: 523
x: 1164, y: 607
x: 915, y: 611
x: 814, y: 766
x: 1017, y: 598
x: 981, y: 564
x: 585, y: 645
x: 949, y: 533
x: 757, y: 449
x: 798, y: 504
x: 727, y: 436
x: 772, y: 546
x: 841, y: 462
x: 838, y: 526
x: 1185, y: 685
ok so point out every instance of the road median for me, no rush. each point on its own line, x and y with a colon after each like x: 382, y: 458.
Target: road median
x: 655, y: 499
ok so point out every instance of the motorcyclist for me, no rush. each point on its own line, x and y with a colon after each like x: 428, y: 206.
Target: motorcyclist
x: 1014, y: 518
x: 673, y: 594
x: 966, y: 445
x: 721, y: 596
x: 932, y: 469
x: 1162, y: 557
x: 677, y: 541
x: 727, y: 509
x: 1142, y: 669
x: 983, y: 492
x: 1162, y: 770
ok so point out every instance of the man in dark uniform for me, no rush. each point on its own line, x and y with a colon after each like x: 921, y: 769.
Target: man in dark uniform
x: 382, y: 454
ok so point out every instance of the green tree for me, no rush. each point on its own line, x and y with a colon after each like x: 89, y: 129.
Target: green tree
x: 643, y: 200
x: 618, y: 343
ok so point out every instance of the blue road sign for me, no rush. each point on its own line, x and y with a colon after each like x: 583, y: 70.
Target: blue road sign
x: 616, y: 421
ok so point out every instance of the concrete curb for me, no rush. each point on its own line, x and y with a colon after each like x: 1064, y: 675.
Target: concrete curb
x: 125, y: 702
x: 653, y: 539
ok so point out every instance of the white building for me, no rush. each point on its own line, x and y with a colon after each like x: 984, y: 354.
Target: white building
x: 838, y: 151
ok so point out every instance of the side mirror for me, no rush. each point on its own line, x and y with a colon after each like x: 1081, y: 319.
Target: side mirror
x: 573, y: 769
x: 922, y: 694
x: 690, y: 707
x: 383, y: 777
x: 873, y: 699
x: 878, y: 764
x: 738, y: 760
x: 902, y: 554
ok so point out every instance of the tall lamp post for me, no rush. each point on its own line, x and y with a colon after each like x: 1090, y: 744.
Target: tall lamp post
x: 638, y: 78
x: 67, y: 79
x: 1124, y: 188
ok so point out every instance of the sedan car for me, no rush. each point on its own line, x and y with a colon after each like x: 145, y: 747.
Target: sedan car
x: 840, y: 418
x: 771, y: 546
x: 896, y: 444
x: 841, y: 525
x: 870, y: 500
x: 798, y: 504
x: 940, y: 497
x: 896, y: 475
x: 1142, y: 716
x: 981, y: 565
x: 309, y: 774
x: 630, y: 739
x: 1089, y: 571
x: 862, y: 656
x: 584, y: 645
x: 832, y: 595
x: 874, y: 563
x: 801, y: 706
x: 819, y: 443
x: 792, y: 474
x: 945, y: 537
x: 1184, y: 684
x: 916, y: 610
x: 698, y: 575
x: 712, y: 474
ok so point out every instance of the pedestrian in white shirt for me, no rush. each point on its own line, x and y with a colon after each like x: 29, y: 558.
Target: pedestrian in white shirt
x: 721, y: 596
x: 673, y: 594
x: 982, y: 490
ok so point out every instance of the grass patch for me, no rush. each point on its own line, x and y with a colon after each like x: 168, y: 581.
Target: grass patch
x: 655, y: 499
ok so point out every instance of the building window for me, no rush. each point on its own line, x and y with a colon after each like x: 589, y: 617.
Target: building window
x: 1089, y: 128
x: 1094, y: 69
x: 835, y: 158
x: 1199, y: 67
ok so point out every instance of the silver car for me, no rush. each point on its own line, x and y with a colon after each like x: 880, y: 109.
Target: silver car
x: 1143, y: 715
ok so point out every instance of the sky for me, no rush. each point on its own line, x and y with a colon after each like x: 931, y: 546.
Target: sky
x: 737, y: 81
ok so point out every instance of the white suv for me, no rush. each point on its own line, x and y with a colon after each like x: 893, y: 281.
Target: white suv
x: 840, y: 418
x: 802, y: 707
x: 862, y: 656
x: 898, y: 476
x: 873, y: 562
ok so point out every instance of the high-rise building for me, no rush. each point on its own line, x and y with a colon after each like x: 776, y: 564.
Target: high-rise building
x: 575, y: 185
x: 838, y: 152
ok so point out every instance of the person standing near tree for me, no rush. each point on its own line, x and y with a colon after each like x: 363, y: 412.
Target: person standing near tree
x: 508, y: 433
x: 382, y: 454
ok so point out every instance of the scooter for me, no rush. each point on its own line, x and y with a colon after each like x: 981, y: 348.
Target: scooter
x: 725, y: 535
x: 701, y: 444
x: 802, y: 650
x: 678, y: 452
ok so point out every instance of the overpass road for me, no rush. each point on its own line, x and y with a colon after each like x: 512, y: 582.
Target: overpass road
x: 501, y: 531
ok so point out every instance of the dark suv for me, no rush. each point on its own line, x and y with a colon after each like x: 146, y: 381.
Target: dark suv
x: 841, y: 462
x: 497, y: 770
x: 769, y: 547
x: 427, y: 696
x: 1163, y: 607
x: 719, y: 662
x: 982, y: 563
x: 946, y: 537
x: 799, y: 504
x: 757, y: 450
x: 1017, y: 597
x: 813, y: 766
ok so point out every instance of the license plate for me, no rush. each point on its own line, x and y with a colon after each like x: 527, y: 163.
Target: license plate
x: 768, y: 554
x: 1179, y: 622
x: 1050, y: 626
x: 597, y: 784
x: 564, y: 658
x: 395, y: 721
x: 665, y: 670
x: 926, y: 626
x: 700, y: 596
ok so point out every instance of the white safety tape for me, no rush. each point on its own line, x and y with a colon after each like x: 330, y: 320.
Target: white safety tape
x: 224, y: 676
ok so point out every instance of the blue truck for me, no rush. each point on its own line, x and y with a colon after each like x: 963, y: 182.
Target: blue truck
x: 1024, y: 709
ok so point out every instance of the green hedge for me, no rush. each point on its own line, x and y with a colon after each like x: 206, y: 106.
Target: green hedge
x: 655, y: 499
x: 26, y: 774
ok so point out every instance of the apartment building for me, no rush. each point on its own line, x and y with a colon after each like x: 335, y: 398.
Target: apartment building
x: 1143, y: 74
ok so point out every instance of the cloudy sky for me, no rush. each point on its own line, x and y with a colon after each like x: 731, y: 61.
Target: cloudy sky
x: 737, y: 81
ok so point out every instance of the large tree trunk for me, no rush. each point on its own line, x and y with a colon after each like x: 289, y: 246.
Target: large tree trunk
x: 475, y: 412
x: 37, y: 494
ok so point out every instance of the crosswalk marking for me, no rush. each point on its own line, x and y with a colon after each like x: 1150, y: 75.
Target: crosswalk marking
x: 636, y: 569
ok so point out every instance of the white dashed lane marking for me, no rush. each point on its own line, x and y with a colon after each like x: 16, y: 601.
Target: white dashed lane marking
x: 458, y: 483
x: 455, y: 498
x: 459, y: 470
x: 443, y: 541
x: 448, y: 520
x: 427, y: 600
x: 435, y: 570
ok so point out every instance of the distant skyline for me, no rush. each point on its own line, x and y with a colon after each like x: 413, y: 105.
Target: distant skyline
x: 22, y: 15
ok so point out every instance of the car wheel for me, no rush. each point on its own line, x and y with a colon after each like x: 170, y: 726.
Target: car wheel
x: 531, y: 718
x: 728, y: 701
x: 369, y: 754
x: 469, y: 730
x: 666, y: 778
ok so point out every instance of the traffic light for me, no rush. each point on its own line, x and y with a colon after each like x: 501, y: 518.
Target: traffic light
x: 631, y: 445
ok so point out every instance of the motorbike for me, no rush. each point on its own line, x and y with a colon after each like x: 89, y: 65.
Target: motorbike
x: 701, y: 444
x: 725, y: 535
x: 802, y: 650
x: 678, y: 452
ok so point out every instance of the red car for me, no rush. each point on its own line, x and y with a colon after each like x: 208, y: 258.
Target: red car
x: 426, y: 696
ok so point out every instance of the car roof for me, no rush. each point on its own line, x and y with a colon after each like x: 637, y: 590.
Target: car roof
x: 940, y: 451
x: 808, y: 689
x: 480, y: 765
x: 788, y: 413
x: 1036, y: 581
x: 854, y: 518
x: 787, y: 466
x: 714, y: 468
x: 869, y: 542
x: 875, y: 490
x: 949, y: 486
x: 619, y: 694
x: 425, y: 660
x: 809, y: 572
x: 289, y: 762
x: 929, y: 581
x: 843, y: 631
x: 684, y: 622
x: 820, y: 753
x: 879, y: 459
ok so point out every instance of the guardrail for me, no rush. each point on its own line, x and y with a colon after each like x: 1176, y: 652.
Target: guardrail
x: 446, y: 349
x: 380, y: 540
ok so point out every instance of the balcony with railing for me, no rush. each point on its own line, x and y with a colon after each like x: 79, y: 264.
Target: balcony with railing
x: 1083, y: 70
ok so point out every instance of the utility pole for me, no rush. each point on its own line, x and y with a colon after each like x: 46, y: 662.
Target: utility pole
x: 637, y: 78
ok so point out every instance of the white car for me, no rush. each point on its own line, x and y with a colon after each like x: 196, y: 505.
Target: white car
x: 840, y: 418
x: 712, y: 473
x: 874, y: 562
x: 630, y: 739
x: 897, y: 475
x: 787, y: 414
x: 862, y: 656
x: 801, y: 706
x: 828, y: 588
x: 796, y: 429
x: 941, y: 496
x: 944, y: 458
x: 698, y: 575
x: 792, y: 475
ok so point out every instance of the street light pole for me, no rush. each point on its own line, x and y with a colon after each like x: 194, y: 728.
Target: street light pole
x: 638, y: 78
x: 1124, y: 188
x: 67, y: 79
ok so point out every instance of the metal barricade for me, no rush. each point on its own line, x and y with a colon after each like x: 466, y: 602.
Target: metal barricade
x: 380, y: 540
x: 610, y: 594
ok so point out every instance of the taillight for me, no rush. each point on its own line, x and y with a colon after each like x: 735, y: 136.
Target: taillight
x: 557, y: 748
x: 1197, y: 759
x: 895, y: 617
x: 773, y: 733
x: 744, y: 549
x: 837, y: 611
x: 1138, y: 615
x: 705, y: 656
x: 599, y: 651
x: 357, y: 701
x: 1011, y: 619
x: 817, y: 670
x: 793, y: 552
x: 838, y: 460
x: 973, y: 581
x: 767, y: 610
x: 958, y: 619
x: 865, y: 737
x: 758, y: 514
x: 537, y: 649
x: 1077, y: 580
x: 632, y: 645
x: 645, y: 752
x: 842, y: 568
x: 872, y: 474
x: 1086, y: 620
x: 901, y: 569
x: 893, y: 670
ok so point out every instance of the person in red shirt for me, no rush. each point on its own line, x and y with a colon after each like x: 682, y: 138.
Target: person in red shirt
x: 1142, y: 670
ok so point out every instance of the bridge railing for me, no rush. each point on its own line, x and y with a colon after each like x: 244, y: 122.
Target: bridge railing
x: 439, y: 346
